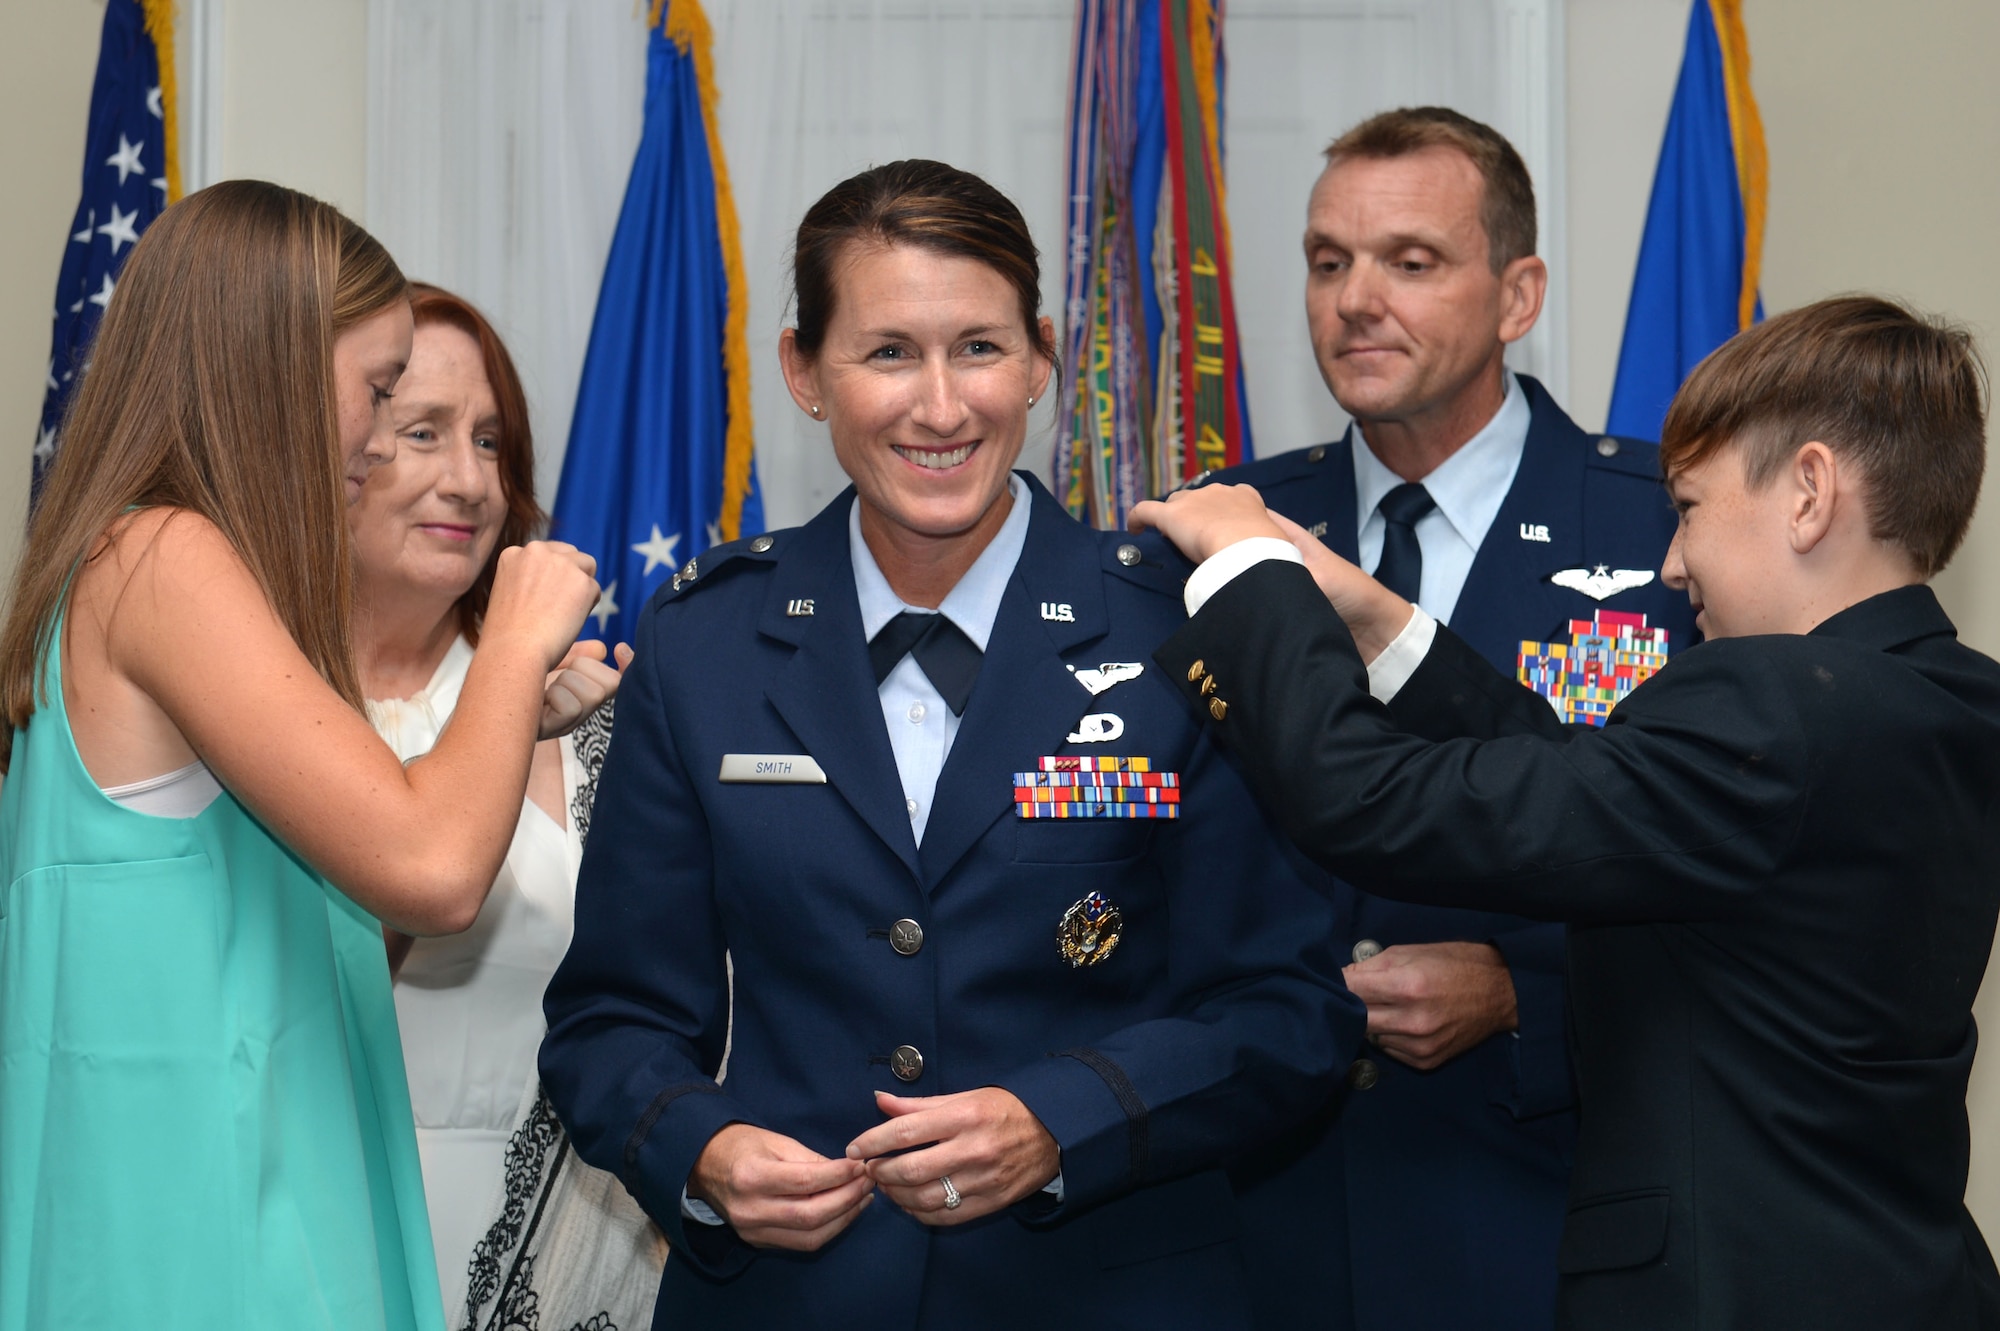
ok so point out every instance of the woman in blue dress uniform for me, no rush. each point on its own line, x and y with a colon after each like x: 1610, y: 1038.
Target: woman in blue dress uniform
x: 1016, y: 961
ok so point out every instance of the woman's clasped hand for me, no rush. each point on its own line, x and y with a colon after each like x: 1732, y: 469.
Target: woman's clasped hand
x: 778, y: 1194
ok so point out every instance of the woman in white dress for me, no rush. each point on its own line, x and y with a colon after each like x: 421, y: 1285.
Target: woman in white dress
x: 427, y: 531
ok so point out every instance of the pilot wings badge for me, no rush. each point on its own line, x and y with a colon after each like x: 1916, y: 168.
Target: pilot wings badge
x: 1107, y: 674
x: 1601, y: 582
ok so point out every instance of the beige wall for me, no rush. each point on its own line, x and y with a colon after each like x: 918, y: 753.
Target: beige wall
x: 1882, y: 123
x: 1884, y: 128
x: 46, y: 66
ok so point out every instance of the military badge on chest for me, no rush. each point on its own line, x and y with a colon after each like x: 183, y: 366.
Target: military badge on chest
x: 1090, y: 931
x: 1606, y: 657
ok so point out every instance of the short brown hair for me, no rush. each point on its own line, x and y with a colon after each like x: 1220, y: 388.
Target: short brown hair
x: 916, y: 202
x: 210, y: 388
x: 524, y: 518
x: 1898, y: 393
x: 1507, y: 204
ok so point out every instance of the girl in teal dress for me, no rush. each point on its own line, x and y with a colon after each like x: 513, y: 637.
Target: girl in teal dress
x: 203, y: 1116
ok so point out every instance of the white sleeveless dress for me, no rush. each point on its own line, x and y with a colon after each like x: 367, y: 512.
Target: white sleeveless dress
x: 470, y: 1005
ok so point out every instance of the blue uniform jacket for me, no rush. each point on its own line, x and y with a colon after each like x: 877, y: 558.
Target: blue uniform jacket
x: 1457, y: 1179
x: 1219, y: 1019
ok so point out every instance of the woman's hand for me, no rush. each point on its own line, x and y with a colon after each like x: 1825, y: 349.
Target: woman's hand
x: 986, y: 1141
x: 777, y: 1193
x: 1373, y: 613
x: 541, y: 593
x: 1204, y: 520
x: 581, y: 684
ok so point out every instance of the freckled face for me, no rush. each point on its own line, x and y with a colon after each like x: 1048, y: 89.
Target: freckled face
x: 428, y: 519
x: 1731, y: 548
x: 923, y: 378
x: 368, y: 359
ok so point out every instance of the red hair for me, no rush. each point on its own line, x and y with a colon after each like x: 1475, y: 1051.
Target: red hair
x: 525, y: 518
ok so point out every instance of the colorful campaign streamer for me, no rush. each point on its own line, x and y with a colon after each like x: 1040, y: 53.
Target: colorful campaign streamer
x: 1153, y: 388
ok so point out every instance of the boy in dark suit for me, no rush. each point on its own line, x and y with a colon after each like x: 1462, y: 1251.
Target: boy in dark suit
x: 1779, y: 860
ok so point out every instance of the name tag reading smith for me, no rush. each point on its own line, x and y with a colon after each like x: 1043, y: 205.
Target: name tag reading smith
x: 793, y: 769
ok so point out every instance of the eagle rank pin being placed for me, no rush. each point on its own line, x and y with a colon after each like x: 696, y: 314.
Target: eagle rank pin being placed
x: 1090, y: 930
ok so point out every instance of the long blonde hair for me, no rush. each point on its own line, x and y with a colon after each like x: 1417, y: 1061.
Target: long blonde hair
x: 210, y: 389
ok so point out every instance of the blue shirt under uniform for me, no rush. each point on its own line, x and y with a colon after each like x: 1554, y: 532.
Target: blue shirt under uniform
x: 1469, y: 487
x: 921, y: 726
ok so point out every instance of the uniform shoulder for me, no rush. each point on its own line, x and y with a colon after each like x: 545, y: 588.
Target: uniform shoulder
x: 1264, y: 473
x: 724, y: 563
x: 1623, y: 456
x: 1145, y: 560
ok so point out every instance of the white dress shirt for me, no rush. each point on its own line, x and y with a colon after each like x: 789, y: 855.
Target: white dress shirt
x: 1469, y: 487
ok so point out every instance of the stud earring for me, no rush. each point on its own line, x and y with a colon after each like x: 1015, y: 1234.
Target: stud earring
x: 1031, y: 402
x: 815, y: 411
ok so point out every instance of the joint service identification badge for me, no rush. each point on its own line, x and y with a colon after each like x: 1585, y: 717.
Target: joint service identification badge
x: 1607, y: 656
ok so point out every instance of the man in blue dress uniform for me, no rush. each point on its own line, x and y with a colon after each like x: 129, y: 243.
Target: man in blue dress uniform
x: 1464, y: 486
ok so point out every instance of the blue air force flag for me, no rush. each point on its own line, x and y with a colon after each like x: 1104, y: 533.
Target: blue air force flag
x: 659, y: 461
x: 126, y: 184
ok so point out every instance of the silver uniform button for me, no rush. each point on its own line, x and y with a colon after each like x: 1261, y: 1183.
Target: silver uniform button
x: 761, y: 544
x: 1607, y: 447
x: 1316, y: 454
x: 907, y: 937
x: 1362, y: 1075
x: 1367, y: 948
x: 907, y: 1063
x: 1128, y: 555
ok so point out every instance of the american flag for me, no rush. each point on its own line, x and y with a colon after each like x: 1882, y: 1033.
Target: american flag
x: 126, y: 185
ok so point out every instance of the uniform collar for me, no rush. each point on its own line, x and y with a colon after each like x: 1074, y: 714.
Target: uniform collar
x: 973, y: 603
x: 1471, y: 484
x: 1890, y: 619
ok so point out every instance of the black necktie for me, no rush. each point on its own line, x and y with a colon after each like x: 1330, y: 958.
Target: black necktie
x: 1402, y: 566
x: 943, y: 652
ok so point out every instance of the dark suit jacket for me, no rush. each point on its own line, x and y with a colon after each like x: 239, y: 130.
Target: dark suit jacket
x: 1781, y: 866
x: 1219, y: 1017
x: 1456, y: 1179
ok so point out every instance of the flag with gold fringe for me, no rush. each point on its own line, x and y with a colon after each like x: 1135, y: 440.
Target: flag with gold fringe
x: 659, y: 465
x: 1153, y: 377
x: 1703, y: 247
x: 131, y: 172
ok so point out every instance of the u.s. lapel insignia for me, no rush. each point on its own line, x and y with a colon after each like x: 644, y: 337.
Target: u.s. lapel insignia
x: 1107, y: 674
x: 1607, y: 656
x: 1090, y: 930
x: 1601, y: 582
x: 1097, y: 728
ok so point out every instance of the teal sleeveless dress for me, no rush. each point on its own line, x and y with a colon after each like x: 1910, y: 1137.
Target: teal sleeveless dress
x: 203, y: 1117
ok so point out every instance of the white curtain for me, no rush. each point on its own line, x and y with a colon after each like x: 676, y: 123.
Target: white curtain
x: 501, y: 133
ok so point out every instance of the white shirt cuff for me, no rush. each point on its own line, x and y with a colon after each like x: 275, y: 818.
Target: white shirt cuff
x: 1230, y: 560
x: 1389, y: 672
x: 699, y: 1211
